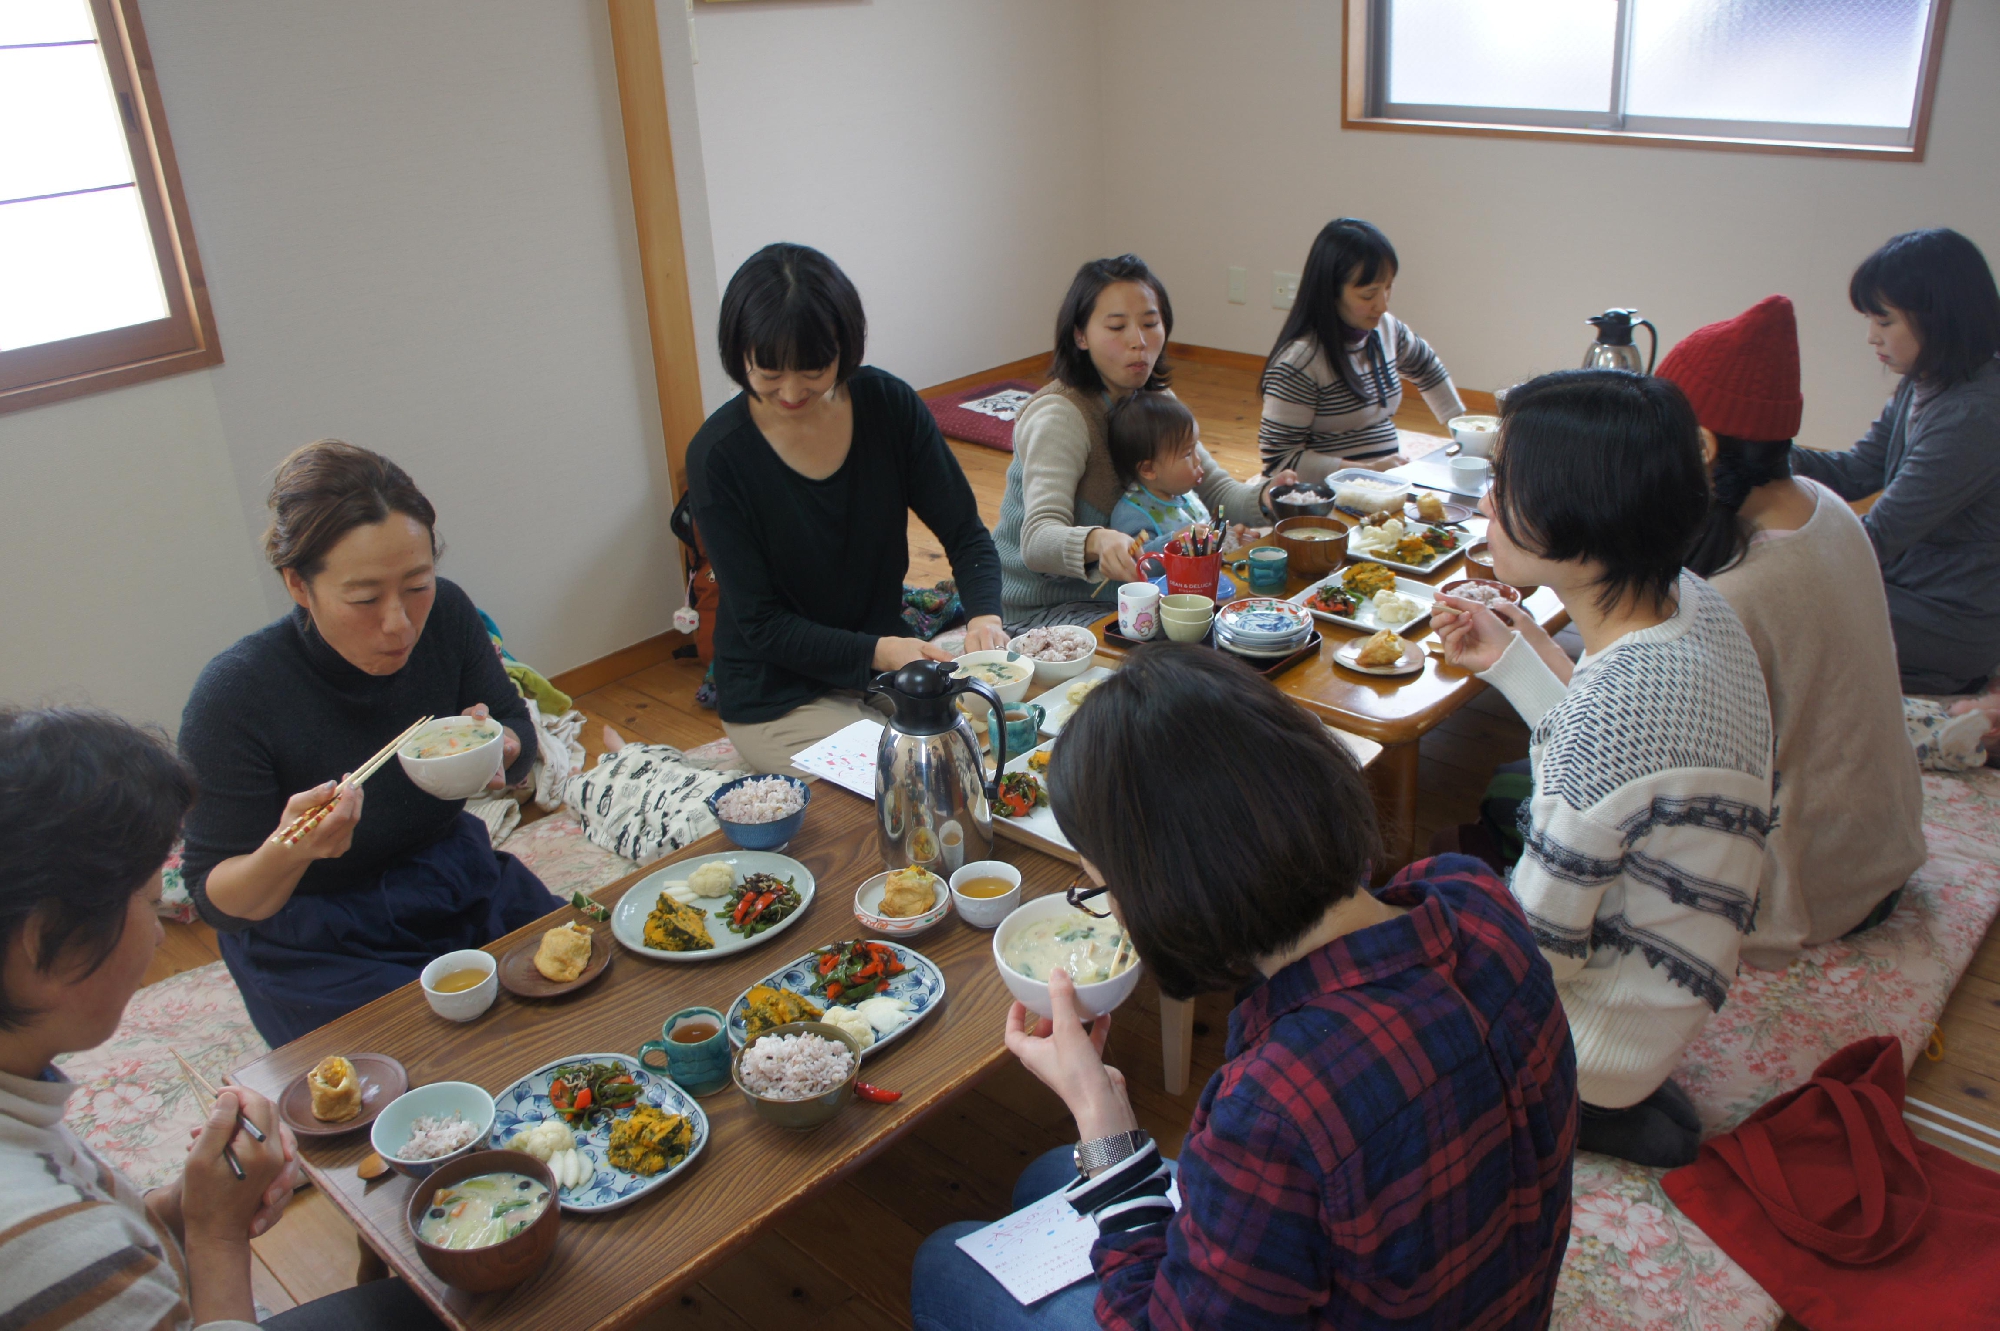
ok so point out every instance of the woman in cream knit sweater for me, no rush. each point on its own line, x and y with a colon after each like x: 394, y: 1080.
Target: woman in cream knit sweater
x: 1798, y: 569
x: 1055, y: 536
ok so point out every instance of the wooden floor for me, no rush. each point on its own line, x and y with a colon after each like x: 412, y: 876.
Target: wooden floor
x: 842, y: 1260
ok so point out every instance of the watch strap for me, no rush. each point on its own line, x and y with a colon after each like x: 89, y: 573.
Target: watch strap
x: 1103, y: 1152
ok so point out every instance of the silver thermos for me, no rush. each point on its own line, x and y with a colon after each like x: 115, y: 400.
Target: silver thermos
x: 1613, y: 349
x: 932, y: 800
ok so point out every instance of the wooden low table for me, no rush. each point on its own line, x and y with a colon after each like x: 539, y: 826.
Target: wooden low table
x: 1394, y: 711
x: 609, y: 1270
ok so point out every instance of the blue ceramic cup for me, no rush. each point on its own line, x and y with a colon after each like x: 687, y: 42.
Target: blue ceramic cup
x: 1024, y: 728
x: 693, y: 1050
x: 1269, y: 568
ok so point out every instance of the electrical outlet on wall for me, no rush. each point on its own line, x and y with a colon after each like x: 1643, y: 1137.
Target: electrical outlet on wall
x: 1239, y: 286
x: 1284, y: 290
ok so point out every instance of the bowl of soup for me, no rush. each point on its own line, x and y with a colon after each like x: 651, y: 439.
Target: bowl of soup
x: 1315, y: 546
x: 1475, y: 434
x: 1047, y: 933
x: 486, y: 1221
x: 453, y: 757
x: 1007, y: 673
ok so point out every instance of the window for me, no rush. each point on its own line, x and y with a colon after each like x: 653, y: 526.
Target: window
x: 99, y: 282
x: 1828, y: 76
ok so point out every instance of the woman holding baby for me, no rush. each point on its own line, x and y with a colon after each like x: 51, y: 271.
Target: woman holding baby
x: 1061, y: 556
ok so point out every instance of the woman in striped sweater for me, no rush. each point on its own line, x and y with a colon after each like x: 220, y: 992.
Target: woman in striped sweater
x: 1327, y: 409
x: 89, y: 808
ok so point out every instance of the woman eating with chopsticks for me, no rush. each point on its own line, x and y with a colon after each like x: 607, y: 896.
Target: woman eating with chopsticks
x: 321, y: 908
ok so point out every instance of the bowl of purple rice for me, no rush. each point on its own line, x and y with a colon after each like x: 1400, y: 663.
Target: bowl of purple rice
x: 761, y: 812
x: 798, y: 1075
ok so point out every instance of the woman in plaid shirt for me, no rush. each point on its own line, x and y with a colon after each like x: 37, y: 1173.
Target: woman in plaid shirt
x: 1390, y: 1139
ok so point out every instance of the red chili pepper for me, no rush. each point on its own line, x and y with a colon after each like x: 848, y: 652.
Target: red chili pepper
x: 875, y: 1094
x: 763, y: 902
x: 833, y: 991
x: 828, y: 961
x: 583, y: 1100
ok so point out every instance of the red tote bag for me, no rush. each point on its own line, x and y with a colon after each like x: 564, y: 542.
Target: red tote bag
x: 1848, y: 1221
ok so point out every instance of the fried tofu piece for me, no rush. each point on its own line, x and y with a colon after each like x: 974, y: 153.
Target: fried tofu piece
x: 1430, y: 508
x: 1384, y: 649
x: 908, y: 892
x: 564, y: 952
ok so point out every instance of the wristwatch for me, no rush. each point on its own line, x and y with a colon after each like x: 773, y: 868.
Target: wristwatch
x: 1104, y: 1152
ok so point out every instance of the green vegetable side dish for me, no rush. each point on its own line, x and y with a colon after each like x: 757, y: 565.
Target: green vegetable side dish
x: 581, y: 1091
x: 760, y: 902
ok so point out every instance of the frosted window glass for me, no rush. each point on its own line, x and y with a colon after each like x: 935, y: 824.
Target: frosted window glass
x: 24, y: 21
x: 1541, y: 54
x: 76, y: 265
x: 59, y: 123
x: 1829, y: 62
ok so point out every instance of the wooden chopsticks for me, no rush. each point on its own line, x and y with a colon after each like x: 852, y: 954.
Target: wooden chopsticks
x: 306, y: 822
x: 200, y: 1085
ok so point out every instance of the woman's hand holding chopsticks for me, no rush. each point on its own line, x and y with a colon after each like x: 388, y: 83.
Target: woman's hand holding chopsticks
x: 329, y: 838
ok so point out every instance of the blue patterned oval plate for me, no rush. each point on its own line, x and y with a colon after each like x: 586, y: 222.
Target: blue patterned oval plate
x: 921, y: 985
x: 526, y: 1103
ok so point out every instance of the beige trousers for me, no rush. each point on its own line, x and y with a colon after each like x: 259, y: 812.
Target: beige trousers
x: 768, y: 746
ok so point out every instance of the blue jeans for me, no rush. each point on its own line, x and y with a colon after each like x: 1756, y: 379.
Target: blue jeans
x: 951, y: 1292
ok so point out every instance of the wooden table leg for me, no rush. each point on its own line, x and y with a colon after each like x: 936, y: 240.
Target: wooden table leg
x: 1176, y: 1041
x: 1393, y: 777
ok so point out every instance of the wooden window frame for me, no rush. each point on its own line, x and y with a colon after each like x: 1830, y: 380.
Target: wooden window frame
x: 185, y: 339
x: 1359, y: 77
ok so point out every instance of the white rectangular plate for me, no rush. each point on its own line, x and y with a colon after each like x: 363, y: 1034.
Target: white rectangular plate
x: 1056, y: 709
x: 1364, y: 615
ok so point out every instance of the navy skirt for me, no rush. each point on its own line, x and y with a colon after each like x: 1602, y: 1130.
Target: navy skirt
x: 320, y: 957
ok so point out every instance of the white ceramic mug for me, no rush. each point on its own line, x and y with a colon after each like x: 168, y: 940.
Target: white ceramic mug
x: 1138, y: 610
x: 1468, y: 475
x: 463, y: 1004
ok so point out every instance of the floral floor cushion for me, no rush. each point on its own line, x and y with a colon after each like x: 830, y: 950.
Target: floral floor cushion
x: 133, y: 1107
x: 1635, y: 1263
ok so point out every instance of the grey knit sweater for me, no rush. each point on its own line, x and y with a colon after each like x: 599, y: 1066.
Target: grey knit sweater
x: 1061, y: 487
x: 1936, y: 459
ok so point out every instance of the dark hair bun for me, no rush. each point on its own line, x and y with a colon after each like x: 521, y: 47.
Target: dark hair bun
x: 324, y: 491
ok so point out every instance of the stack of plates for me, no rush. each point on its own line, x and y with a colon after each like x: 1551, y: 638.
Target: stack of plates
x: 1262, y: 627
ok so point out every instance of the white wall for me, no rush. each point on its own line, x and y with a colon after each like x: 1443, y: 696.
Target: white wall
x: 416, y: 226
x: 1507, y: 244
x: 944, y: 152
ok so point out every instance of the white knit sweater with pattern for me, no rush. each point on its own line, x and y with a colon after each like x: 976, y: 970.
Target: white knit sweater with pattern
x: 1645, y: 833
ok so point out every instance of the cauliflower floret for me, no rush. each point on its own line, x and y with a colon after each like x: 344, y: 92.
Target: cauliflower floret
x: 544, y: 1139
x: 852, y: 1022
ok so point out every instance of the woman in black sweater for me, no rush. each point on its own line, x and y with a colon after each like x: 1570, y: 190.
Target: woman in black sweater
x: 359, y: 904
x: 803, y: 485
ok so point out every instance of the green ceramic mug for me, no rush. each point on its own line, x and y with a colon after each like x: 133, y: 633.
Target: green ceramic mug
x: 693, y: 1050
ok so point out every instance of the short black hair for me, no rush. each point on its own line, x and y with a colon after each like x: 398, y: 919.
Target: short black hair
x: 1605, y: 466
x: 90, y: 806
x: 1223, y: 816
x: 1142, y: 427
x: 789, y: 307
x: 1942, y: 282
x: 1072, y: 363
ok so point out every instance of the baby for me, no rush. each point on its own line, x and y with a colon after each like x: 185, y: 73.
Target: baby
x: 1153, y: 439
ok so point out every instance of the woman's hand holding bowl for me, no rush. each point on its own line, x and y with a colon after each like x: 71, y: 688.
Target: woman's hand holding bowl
x: 1068, y: 1058
x: 895, y: 653
x: 510, y: 745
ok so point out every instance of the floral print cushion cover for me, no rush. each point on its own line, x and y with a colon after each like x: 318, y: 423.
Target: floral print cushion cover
x: 1635, y: 1263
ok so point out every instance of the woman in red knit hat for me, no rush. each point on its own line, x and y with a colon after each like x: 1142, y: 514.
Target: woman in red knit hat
x: 1800, y: 573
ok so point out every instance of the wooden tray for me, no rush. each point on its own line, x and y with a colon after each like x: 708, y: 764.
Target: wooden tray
x: 519, y: 977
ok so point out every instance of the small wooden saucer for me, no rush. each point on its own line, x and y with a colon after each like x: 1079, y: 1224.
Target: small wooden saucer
x: 382, y: 1079
x: 519, y: 977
